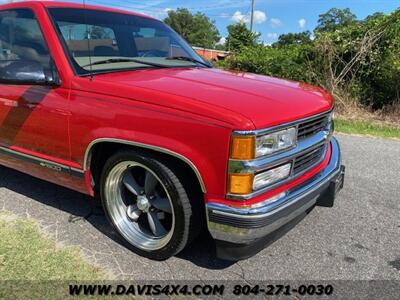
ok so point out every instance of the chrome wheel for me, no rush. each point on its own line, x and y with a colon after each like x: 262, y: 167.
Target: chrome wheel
x: 139, y: 205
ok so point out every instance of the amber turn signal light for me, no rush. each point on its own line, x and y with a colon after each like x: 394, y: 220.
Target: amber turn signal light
x: 240, y: 184
x: 243, y: 147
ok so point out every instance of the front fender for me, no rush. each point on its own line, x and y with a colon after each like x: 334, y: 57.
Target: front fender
x: 203, y: 145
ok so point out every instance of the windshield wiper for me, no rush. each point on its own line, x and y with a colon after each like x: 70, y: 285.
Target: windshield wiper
x: 119, y: 60
x: 185, y: 58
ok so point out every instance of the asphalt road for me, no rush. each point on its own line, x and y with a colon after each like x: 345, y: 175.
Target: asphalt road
x: 357, y: 239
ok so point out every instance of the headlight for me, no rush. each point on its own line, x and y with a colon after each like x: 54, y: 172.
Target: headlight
x: 276, y: 141
x: 250, y: 147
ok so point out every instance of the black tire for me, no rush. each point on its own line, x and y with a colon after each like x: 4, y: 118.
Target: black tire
x: 184, y: 229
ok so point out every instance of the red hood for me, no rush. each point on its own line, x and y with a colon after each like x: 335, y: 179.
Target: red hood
x: 265, y: 101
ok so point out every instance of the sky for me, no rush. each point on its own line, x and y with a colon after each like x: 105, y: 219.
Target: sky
x: 272, y: 17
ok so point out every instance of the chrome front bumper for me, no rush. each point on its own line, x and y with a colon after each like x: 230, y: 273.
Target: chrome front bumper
x: 247, y: 225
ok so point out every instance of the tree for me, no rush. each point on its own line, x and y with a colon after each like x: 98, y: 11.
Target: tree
x: 359, y: 63
x: 220, y: 47
x: 335, y: 18
x: 360, y: 60
x: 300, y: 38
x: 240, y: 36
x: 197, y: 29
x: 98, y: 33
x: 374, y: 16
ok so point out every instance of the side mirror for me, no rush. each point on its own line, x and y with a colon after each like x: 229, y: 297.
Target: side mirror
x: 26, y: 72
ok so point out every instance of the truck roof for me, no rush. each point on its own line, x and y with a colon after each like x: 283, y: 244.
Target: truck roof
x: 62, y: 4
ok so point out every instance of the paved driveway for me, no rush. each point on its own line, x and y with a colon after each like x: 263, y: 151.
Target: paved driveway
x: 357, y: 239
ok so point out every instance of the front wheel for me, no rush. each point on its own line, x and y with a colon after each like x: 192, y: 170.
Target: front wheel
x: 146, y: 204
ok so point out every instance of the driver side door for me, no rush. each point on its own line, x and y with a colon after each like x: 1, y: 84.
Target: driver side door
x: 33, y: 118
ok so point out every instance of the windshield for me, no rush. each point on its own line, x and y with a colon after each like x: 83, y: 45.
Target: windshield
x: 101, y: 41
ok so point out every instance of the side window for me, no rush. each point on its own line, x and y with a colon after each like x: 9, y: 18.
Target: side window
x: 21, y: 37
x: 102, y: 40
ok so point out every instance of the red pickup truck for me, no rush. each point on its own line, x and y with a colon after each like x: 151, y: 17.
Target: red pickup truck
x: 116, y: 104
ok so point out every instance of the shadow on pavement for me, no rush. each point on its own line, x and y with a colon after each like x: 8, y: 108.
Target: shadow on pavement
x: 201, y: 252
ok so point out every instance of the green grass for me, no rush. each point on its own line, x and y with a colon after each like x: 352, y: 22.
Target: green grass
x: 366, y: 128
x: 35, y: 267
x: 26, y: 254
x: 31, y: 264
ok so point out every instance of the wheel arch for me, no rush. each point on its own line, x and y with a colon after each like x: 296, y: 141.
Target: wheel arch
x: 120, y: 142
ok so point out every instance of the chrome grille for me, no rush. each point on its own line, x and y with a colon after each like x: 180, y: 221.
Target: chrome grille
x: 308, y: 159
x: 311, y: 127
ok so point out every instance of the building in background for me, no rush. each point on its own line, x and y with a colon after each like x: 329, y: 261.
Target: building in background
x: 212, y: 54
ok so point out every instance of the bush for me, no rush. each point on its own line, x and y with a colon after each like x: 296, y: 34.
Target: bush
x: 285, y: 62
x: 358, y: 61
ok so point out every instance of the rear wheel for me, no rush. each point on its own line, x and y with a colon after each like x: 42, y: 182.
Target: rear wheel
x: 146, y: 204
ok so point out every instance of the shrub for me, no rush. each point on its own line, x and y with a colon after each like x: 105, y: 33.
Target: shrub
x: 359, y: 60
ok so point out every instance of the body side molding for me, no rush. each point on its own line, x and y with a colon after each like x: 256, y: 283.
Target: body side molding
x: 87, y: 156
x: 45, y: 163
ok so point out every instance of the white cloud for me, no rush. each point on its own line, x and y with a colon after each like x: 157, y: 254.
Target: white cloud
x: 222, y: 41
x: 259, y: 17
x: 238, y: 17
x: 272, y: 35
x: 302, y: 23
x: 275, y: 22
x: 159, y: 14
